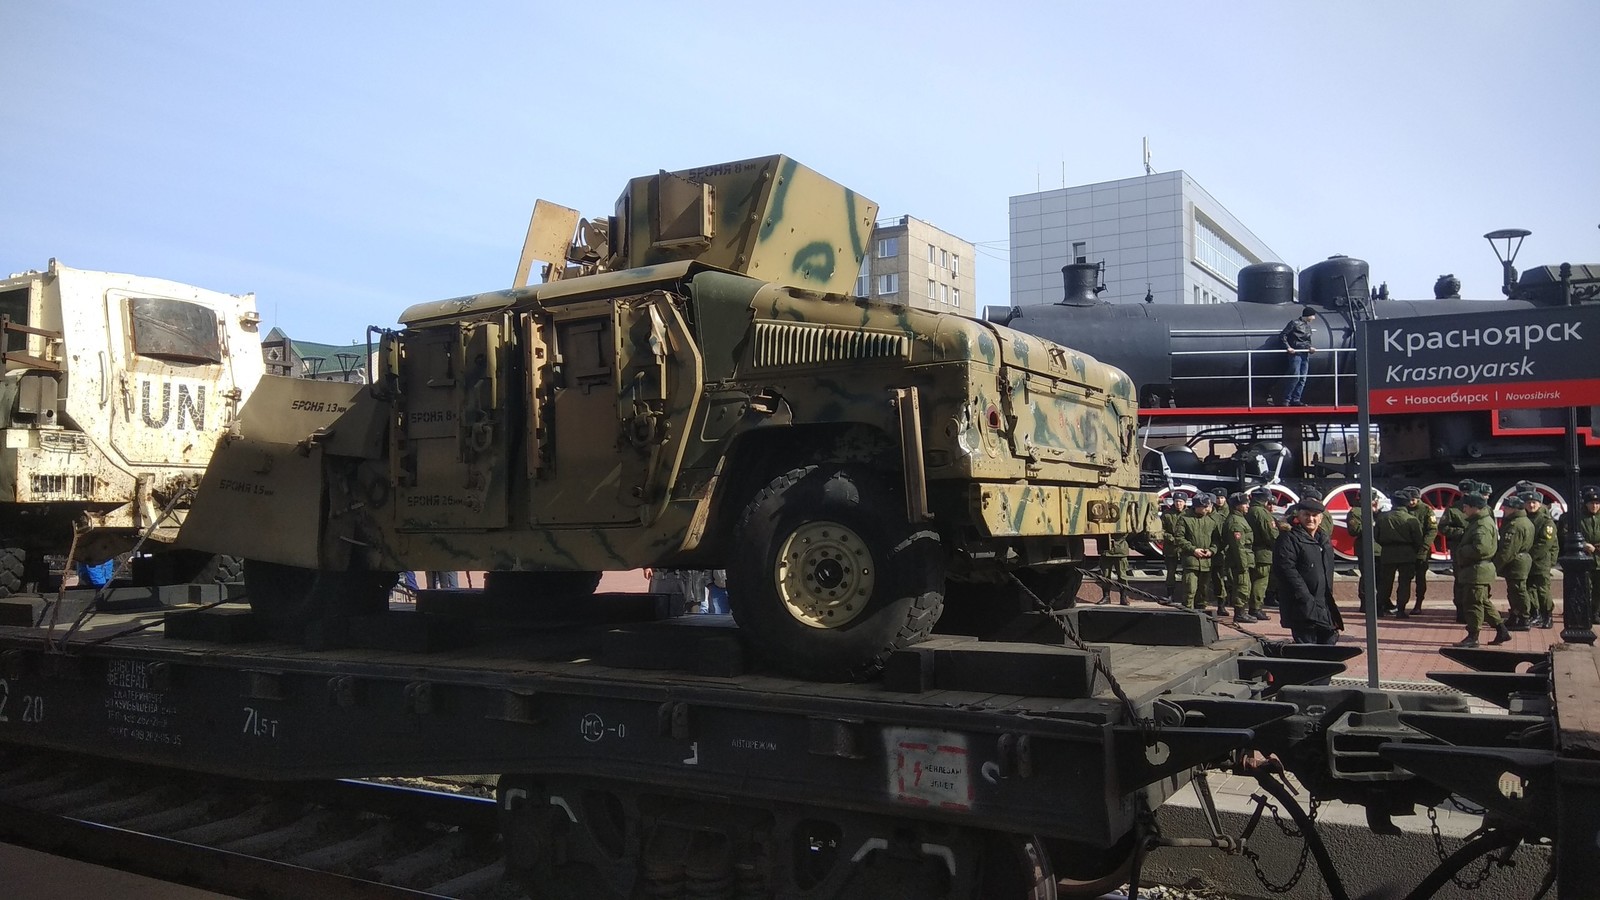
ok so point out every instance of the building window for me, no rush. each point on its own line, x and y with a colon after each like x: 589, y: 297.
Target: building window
x: 931, y: 250
x: 888, y: 247
x: 1197, y: 295
x: 1217, y: 253
x: 931, y: 295
x: 888, y: 284
x: 1080, y: 251
x: 944, y: 259
x: 955, y: 297
x: 864, y: 278
x: 944, y: 293
x: 955, y: 265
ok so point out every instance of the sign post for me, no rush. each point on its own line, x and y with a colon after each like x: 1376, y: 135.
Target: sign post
x: 1530, y: 358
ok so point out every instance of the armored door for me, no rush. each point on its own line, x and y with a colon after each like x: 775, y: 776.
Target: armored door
x: 450, y: 436
x: 616, y: 381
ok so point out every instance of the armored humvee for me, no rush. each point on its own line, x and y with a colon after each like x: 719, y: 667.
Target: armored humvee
x: 692, y: 386
x: 115, y: 391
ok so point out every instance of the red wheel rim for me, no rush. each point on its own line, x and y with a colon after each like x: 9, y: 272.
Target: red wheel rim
x: 1440, y: 497
x: 1339, y: 501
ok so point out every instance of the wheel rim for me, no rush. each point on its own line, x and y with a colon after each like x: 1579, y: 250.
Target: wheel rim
x: 825, y: 574
x: 1440, y: 496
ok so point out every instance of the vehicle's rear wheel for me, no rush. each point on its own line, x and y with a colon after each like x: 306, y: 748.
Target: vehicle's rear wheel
x: 828, y: 577
x: 13, y: 574
x: 541, y: 587
x: 288, y: 598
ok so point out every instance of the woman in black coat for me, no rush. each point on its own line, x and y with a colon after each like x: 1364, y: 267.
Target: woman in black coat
x: 1302, y: 561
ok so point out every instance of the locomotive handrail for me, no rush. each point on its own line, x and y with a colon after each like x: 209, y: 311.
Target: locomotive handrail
x: 1249, y: 371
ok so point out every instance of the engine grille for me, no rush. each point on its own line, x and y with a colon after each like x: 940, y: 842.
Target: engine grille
x: 793, y: 344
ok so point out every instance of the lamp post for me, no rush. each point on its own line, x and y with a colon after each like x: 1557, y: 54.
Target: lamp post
x: 1576, y: 563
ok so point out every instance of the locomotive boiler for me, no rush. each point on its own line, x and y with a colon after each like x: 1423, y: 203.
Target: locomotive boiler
x: 1231, y: 355
x: 1219, y: 372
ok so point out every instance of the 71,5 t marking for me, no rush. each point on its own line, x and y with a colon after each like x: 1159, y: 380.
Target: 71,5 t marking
x: 257, y: 725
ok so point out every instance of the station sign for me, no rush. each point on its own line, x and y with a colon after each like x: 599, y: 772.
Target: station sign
x: 1530, y: 358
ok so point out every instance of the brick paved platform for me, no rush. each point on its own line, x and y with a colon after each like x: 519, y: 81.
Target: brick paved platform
x: 1408, y: 649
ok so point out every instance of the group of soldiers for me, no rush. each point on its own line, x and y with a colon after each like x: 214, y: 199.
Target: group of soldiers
x: 1522, y: 552
x: 1219, y: 550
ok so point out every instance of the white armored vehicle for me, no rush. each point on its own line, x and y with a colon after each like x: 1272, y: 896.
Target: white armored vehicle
x: 114, y: 392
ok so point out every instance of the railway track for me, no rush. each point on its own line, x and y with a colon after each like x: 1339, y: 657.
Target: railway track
x: 326, y: 839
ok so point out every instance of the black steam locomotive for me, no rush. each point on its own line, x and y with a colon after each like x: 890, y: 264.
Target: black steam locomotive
x: 1226, y: 364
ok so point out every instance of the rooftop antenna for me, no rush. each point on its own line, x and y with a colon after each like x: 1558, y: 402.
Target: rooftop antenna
x: 1510, y: 256
x: 1148, y: 169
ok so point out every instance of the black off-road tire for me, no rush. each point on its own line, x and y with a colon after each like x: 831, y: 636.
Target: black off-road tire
x: 289, y: 598
x: 869, y: 581
x: 541, y: 587
x: 13, y: 574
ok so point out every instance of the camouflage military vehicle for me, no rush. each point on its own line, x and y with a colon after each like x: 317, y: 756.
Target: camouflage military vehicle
x: 115, y: 391
x: 692, y: 386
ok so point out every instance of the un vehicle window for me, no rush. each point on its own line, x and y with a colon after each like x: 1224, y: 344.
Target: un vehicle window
x: 175, y: 330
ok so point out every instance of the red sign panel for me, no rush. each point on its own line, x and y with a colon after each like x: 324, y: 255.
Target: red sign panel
x: 1444, y: 398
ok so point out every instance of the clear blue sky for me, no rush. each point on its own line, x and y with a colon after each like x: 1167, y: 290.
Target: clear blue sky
x: 344, y: 160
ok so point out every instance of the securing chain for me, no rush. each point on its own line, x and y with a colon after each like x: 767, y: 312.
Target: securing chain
x: 1489, y: 859
x: 1289, y: 831
x: 1146, y: 724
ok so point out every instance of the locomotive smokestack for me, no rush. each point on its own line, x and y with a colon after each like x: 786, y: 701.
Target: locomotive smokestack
x: 1082, y: 282
x: 1448, y: 287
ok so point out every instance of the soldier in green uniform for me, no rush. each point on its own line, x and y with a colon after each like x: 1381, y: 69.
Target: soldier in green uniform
x: 1263, y: 534
x: 1355, y: 524
x: 1238, y: 557
x: 1513, y: 561
x: 1429, y: 520
x: 1588, y: 514
x: 1177, y: 504
x: 1473, y: 556
x: 1196, y: 539
x: 1546, y: 546
x: 1453, y: 525
x: 1399, y: 539
x: 1115, y: 565
x: 1220, y: 580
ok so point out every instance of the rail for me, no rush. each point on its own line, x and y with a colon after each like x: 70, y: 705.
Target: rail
x: 1250, y: 374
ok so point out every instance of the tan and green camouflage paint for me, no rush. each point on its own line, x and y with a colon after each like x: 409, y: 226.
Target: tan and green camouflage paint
x: 665, y: 366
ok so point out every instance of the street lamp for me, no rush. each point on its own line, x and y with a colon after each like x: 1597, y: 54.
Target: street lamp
x: 1508, y: 235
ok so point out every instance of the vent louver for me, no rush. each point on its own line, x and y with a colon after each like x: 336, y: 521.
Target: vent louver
x: 793, y: 344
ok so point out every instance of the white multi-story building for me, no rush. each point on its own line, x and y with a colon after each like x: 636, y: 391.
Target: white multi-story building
x: 1161, y: 236
x: 912, y: 262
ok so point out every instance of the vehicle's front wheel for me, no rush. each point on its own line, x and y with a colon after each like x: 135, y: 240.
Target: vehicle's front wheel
x: 828, y: 577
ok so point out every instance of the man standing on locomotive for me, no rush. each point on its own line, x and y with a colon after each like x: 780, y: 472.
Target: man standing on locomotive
x: 1296, y: 337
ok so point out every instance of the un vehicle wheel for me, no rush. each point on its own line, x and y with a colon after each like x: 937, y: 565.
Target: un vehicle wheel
x: 13, y: 563
x: 288, y: 598
x: 541, y: 587
x: 828, y: 578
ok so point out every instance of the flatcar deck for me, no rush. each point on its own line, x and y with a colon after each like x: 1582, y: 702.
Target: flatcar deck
x: 953, y: 730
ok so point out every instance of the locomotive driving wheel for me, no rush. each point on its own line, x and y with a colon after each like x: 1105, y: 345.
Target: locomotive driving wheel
x: 1339, y: 501
x: 1440, y: 496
